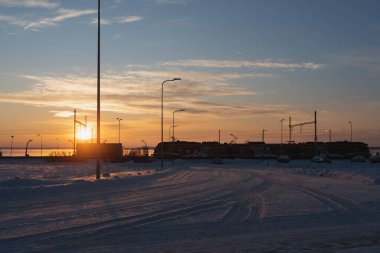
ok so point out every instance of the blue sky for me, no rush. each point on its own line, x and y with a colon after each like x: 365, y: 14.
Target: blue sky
x: 245, y: 65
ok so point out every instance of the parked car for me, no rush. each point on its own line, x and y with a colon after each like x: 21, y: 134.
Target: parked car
x: 321, y: 159
x: 358, y: 159
x: 283, y: 159
x: 374, y: 159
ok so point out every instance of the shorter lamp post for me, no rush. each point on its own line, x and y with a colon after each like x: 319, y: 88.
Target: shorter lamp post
x: 40, y: 135
x: 282, y: 126
x: 119, y: 119
x: 26, y: 148
x: 12, y: 144
x: 349, y: 122
x: 162, y: 118
x: 57, y: 143
x: 170, y: 135
x: 181, y: 110
x: 263, y: 135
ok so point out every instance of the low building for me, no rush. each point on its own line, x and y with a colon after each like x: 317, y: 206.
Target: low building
x: 109, y: 152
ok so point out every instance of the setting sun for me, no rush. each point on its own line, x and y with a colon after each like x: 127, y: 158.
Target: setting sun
x: 84, y: 134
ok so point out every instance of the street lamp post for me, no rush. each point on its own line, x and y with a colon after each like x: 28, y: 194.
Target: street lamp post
x: 119, y: 119
x: 170, y: 135
x: 26, y: 148
x: 263, y: 135
x: 57, y: 143
x: 98, y: 102
x: 12, y: 144
x: 181, y: 110
x: 349, y: 122
x: 282, y: 125
x: 40, y: 135
x: 162, y: 118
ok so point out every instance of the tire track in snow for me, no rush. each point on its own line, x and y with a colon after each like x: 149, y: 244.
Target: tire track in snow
x: 249, y: 203
x: 173, y: 198
x: 336, y: 203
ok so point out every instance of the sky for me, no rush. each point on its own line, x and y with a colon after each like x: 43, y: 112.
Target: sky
x: 244, y: 65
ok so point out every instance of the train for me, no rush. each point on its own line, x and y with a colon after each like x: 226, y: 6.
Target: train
x: 260, y: 150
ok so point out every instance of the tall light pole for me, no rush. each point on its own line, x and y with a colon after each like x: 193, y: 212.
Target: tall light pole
x: 181, y: 110
x: 282, y: 125
x: 162, y: 118
x: 98, y: 103
x: 349, y: 122
x: 40, y: 135
x: 12, y: 144
x: 26, y: 147
x: 119, y: 119
x: 262, y: 137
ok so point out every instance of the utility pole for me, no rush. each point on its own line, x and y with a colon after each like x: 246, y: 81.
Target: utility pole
x: 350, y: 122
x: 291, y: 126
x: 290, y: 130
x: 315, y: 133
x: 98, y: 103
x: 263, y: 134
x: 12, y: 144
x: 282, y: 122
x: 234, y: 139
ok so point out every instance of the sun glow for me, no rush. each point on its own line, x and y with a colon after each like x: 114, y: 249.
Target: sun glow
x: 84, y: 134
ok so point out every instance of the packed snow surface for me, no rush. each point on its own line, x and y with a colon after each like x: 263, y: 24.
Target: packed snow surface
x: 190, y: 206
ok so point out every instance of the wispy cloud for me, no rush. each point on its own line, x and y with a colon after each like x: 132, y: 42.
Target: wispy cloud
x: 268, y: 64
x: 13, y: 20
x: 129, y: 19
x: 103, y: 21
x: 61, y: 15
x: 29, y: 3
x: 62, y: 114
x: 134, y: 92
x: 119, y: 20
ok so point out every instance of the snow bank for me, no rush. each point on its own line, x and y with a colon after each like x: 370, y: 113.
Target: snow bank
x: 366, y: 173
x: 19, y: 173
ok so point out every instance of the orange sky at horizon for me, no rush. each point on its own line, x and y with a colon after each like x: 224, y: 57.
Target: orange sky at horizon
x: 59, y: 130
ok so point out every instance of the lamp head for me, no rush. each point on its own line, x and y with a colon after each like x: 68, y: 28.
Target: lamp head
x: 177, y: 79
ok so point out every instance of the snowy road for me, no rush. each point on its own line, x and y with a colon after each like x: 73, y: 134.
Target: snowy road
x: 197, y: 208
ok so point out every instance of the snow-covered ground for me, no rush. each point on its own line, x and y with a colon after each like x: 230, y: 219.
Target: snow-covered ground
x: 191, y: 206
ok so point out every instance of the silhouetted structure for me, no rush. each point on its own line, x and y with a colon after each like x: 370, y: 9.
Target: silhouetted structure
x: 112, y: 152
x: 182, y: 149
